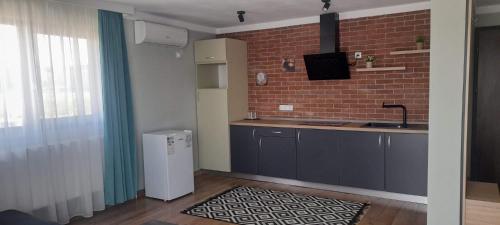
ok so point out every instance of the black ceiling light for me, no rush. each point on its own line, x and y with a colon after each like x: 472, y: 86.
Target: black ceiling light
x: 240, y: 16
x: 327, y: 4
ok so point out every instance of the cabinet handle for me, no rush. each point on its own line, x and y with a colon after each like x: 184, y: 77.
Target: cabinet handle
x: 210, y: 57
x: 260, y: 144
x: 298, y: 136
x: 379, y: 140
x: 253, y: 133
x: 276, y: 132
x: 389, y: 142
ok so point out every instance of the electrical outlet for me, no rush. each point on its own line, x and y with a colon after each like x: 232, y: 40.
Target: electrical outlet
x: 358, y: 55
x: 286, y: 108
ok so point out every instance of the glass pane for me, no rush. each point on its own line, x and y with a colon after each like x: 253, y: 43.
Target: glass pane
x: 65, y: 79
x: 84, y: 66
x: 47, y: 79
x: 11, y: 92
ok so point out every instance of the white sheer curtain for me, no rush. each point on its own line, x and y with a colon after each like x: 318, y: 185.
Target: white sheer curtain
x: 50, y: 110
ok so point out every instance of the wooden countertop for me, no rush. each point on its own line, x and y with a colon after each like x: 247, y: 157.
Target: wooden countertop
x: 348, y: 126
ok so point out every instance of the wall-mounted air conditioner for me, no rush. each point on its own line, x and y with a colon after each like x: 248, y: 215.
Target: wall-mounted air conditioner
x: 160, y: 34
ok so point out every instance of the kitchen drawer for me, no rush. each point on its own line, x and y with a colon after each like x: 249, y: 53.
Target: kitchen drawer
x: 276, y: 132
x: 210, y: 51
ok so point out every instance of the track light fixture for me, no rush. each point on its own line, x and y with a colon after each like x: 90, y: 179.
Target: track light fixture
x: 327, y: 4
x: 240, y: 16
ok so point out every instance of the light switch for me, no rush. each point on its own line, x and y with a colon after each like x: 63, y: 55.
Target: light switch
x: 286, y: 108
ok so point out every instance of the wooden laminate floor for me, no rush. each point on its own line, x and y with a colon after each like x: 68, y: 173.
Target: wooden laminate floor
x: 137, y: 212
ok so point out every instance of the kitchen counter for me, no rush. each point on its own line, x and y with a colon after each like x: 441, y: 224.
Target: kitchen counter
x: 346, y: 126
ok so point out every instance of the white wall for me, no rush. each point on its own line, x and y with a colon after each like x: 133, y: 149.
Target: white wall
x: 447, y: 78
x: 163, y: 88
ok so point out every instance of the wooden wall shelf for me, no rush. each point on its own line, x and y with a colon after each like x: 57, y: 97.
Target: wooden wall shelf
x: 407, y: 52
x: 381, y: 69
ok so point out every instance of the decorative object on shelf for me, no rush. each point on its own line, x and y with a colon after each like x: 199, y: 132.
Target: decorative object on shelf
x: 288, y: 64
x: 261, y: 79
x: 369, y: 61
x: 420, y: 42
x: 252, y: 116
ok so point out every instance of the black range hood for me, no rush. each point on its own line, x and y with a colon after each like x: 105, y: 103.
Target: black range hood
x: 330, y: 64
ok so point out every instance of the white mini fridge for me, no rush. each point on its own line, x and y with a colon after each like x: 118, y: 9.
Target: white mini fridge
x: 168, y: 164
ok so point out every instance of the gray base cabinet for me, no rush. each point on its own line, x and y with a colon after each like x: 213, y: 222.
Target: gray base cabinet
x: 244, y: 150
x: 318, y: 156
x: 277, y: 153
x: 362, y: 163
x: 393, y: 162
x: 406, y: 163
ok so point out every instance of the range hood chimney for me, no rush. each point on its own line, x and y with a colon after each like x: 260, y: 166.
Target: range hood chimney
x: 330, y: 64
x: 329, y: 31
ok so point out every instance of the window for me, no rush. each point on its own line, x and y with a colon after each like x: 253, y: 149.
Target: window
x: 61, y: 77
x: 59, y: 68
x: 10, y: 78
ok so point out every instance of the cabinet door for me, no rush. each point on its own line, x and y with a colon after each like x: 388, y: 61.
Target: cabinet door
x: 213, y: 130
x: 244, y: 150
x: 406, y: 163
x: 362, y: 160
x: 277, y: 157
x: 210, y: 51
x: 318, y: 156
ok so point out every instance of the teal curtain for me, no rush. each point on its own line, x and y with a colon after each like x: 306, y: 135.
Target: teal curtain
x: 120, y: 175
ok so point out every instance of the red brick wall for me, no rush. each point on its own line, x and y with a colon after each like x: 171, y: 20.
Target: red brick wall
x: 359, y: 98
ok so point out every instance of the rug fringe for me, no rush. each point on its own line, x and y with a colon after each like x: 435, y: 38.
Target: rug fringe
x: 357, y: 219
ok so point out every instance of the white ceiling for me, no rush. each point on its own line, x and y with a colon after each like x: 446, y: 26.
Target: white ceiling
x: 222, y: 13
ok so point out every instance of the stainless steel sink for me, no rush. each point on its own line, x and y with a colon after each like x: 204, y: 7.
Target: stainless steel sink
x: 396, y: 126
x: 384, y: 125
x: 324, y: 123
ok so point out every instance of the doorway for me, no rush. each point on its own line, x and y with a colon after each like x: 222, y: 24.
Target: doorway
x: 485, y: 149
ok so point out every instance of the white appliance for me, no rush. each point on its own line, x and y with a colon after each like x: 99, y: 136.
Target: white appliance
x: 168, y: 164
x: 160, y: 34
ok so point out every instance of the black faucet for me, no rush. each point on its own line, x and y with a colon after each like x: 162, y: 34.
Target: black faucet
x: 405, y: 123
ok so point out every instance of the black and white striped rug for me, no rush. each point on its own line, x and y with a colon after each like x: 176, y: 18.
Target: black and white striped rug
x: 256, y: 206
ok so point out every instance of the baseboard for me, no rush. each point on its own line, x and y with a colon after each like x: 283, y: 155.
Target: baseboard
x: 141, y: 193
x: 336, y: 188
x: 200, y: 172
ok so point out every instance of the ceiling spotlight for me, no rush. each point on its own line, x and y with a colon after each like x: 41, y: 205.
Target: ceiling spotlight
x: 240, y: 16
x: 327, y: 4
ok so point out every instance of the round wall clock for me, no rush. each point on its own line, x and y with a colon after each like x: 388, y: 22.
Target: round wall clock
x: 261, y: 78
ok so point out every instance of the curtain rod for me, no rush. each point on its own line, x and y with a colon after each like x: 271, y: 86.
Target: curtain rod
x: 96, y: 4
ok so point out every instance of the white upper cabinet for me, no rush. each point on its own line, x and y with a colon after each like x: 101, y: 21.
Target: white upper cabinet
x: 210, y: 51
